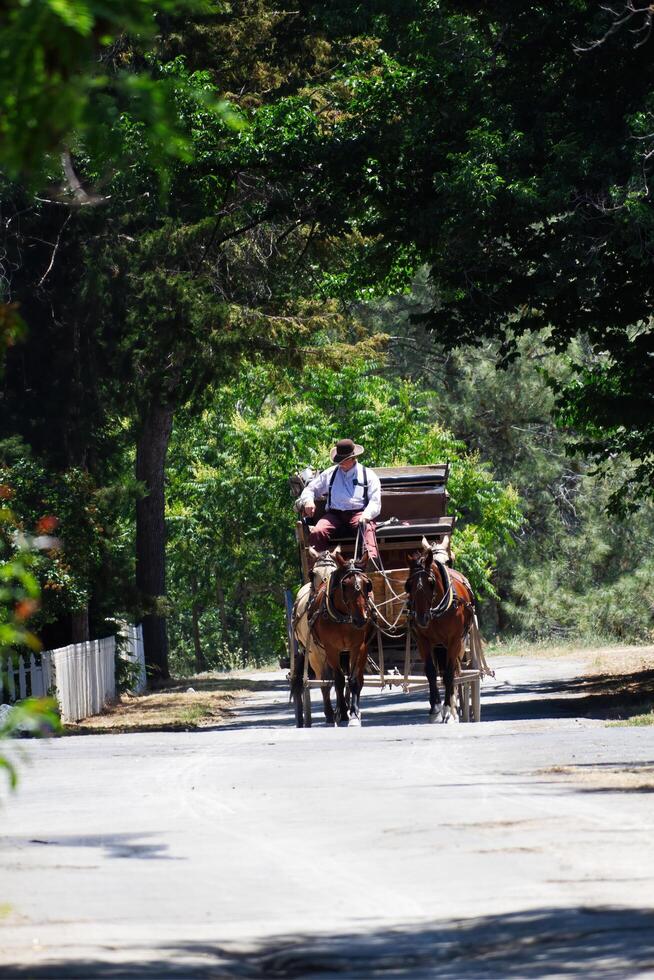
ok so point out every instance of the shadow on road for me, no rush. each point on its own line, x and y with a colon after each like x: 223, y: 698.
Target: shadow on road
x: 601, y: 943
x: 599, y: 697
x: 114, y: 845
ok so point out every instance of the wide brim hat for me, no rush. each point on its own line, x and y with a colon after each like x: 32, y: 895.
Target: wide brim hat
x: 345, y: 449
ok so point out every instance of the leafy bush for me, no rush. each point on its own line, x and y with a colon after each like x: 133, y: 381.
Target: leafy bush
x: 232, y: 547
x: 83, y: 521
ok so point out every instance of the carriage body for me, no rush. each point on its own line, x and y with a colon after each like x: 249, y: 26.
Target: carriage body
x: 414, y: 506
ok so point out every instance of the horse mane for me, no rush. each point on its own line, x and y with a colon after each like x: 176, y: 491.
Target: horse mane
x: 324, y: 564
x: 439, y: 552
x: 324, y: 555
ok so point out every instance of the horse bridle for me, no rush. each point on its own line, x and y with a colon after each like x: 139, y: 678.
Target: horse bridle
x: 448, y: 598
x: 329, y: 609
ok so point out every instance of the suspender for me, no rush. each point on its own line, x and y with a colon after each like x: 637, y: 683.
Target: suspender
x: 365, y: 487
x: 329, y: 492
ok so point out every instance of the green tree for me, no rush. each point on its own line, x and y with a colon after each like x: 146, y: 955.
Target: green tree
x: 68, y: 71
x: 136, y: 305
x: 572, y: 569
x: 518, y: 167
x: 231, y: 525
x: 79, y: 578
x: 19, y: 601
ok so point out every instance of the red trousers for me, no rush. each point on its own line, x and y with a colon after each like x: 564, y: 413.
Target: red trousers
x: 337, y: 520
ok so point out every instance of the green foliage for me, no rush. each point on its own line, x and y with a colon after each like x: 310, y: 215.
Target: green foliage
x: 572, y: 570
x: 37, y: 717
x: 19, y: 600
x: 231, y: 526
x: 380, y: 138
x: 128, y: 672
x: 75, y: 527
x: 68, y: 71
x: 19, y: 590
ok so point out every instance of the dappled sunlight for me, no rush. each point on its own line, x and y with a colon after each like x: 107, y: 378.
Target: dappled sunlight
x: 603, y: 943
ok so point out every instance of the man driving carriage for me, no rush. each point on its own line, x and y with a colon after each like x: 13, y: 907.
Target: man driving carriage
x: 353, y: 493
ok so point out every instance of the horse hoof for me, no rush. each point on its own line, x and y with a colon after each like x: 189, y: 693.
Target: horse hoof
x: 354, y: 723
x: 449, y: 715
x: 434, y: 717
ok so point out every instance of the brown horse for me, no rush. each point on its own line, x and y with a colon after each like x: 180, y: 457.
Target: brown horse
x: 441, y: 611
x: 317, y: 667
x: 341, y: 621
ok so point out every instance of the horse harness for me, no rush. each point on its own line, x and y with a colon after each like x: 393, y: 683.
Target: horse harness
x: 326, y: 608
x: 449, y: 600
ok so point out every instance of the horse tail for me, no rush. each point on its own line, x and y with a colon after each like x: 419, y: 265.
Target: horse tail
x: 297, y: 677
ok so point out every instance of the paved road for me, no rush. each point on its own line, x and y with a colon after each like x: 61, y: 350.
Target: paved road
x: 396, y: 850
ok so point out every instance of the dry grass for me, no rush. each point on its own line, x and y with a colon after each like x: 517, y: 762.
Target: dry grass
x: 608, y: 658
x: 605, y: 778
x: 165, y: 710
x: 643, y: 720
x: 184, y: 704
x: 616, y: 682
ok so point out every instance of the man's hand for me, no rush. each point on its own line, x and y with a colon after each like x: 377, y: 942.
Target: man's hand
x: 363, y: 520
x: 309, y: 510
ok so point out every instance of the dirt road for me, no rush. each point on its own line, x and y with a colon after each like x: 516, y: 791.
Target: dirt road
x: 519, y: 847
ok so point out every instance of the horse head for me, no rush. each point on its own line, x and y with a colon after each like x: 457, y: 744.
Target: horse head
x: 354, y: 587
x: 324, y: 565
x: 420, y: 586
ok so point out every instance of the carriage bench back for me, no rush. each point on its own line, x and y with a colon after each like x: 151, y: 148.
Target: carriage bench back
x: 414, y: 502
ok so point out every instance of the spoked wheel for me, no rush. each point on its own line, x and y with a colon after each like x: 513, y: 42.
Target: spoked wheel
x: 306, y: 706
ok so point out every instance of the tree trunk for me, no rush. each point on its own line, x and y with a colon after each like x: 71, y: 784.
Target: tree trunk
x: 245, y: 625
x: 222, y: 609
x: 79, y: 625
x: 196, y: 609
x: 151, y: 450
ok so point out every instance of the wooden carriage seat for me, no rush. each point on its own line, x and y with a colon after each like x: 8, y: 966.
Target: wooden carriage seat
x: 414, y: 502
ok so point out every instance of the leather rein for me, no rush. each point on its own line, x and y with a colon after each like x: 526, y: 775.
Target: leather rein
x: 449, y: 599
x: 326, y: 606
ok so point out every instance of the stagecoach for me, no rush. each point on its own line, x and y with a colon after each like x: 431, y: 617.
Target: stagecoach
x: 414, y: 509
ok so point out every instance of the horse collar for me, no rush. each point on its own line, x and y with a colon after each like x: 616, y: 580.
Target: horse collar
x: 448, y: 599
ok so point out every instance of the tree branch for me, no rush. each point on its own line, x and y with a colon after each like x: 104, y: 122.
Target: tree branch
x: 54, y: 251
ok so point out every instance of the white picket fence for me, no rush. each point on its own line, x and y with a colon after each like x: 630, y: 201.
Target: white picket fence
x: 23, y: 677
x: 133, y: 651
x: 85, y: 677
x: 82, y: 676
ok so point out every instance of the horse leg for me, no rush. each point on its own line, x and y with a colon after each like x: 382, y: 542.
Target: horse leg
x: 323, y: 673
x: 450, y: 712
x: 341, y: 703
x: 325, y: 690
x: 431, y: 673
x: 297, y: 688
x: 354, y: 718
x: 357, y: 666
x: 435, y: 710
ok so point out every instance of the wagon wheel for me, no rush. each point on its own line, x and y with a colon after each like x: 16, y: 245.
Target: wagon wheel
x: 306, y: 706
